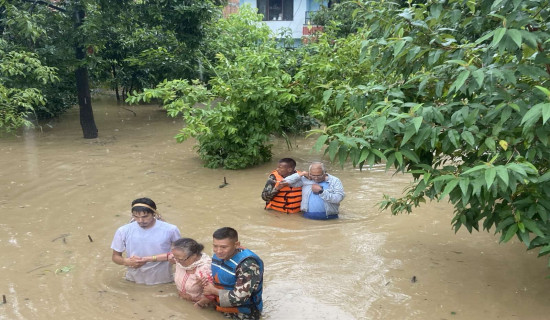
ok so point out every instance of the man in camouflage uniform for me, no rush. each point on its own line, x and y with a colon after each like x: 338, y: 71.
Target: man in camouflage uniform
x: 238, y: 277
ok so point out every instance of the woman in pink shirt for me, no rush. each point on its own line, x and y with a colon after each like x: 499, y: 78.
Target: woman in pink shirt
x: 192, y: 265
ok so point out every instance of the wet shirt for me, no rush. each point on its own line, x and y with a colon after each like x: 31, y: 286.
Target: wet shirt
x: 191, y: 283
x: 249, y: 278
x: 315, y: 203
x: 332, y: 195
x: 137, y: 241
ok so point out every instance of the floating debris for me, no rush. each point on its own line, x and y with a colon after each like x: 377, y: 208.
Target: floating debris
x: 90, y: 238
x: 224, y: 183
x: 65, y: 269
x: 61, y: 236
x: 51, y: 264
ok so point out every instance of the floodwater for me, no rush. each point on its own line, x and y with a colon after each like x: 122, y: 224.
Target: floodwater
x: 62, y: 198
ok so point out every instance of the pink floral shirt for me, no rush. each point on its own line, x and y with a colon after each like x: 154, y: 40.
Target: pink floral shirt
x: 190, y: 283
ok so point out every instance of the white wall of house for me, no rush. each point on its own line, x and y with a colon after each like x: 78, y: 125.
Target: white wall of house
x: 298, y: 20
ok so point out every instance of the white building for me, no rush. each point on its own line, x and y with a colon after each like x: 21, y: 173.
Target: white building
x: 292, y: 14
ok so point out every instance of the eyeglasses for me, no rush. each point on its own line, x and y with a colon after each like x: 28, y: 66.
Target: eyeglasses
x: 316, y: 175
x: 181, y: 260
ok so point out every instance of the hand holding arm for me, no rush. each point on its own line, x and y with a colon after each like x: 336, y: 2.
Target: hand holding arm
x: 335, y: 192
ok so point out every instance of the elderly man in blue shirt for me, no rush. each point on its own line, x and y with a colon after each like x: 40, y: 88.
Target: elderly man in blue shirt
x: 321, y: 192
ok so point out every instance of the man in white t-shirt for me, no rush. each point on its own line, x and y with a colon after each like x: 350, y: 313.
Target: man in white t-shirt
x: 145, y: 235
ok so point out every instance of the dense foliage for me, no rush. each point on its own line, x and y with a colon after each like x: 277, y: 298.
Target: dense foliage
x: 21, y: 73
x: 454, y: 93
x: 126, y: 45
x: 250, y: 95
x: 141, y: 44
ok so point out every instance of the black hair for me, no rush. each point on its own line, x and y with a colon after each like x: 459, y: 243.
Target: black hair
x: 140, y: 209
x: 226, y: 233
x: 188, y: 245
x: 288, y: 161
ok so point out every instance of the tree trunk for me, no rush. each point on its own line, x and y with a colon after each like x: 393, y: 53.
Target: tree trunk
x: 87, y: 121
x: 113, y: 68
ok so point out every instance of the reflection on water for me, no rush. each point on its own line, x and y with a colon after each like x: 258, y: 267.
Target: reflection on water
x: 63, y: 197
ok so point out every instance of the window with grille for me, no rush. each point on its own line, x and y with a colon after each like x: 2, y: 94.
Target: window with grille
x: 276, y: 10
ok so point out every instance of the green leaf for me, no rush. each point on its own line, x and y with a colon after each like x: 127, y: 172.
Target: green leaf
x: 411, y: 155
x: 320, y: 142
x: 408, y: 134
x: 510, y: 233
x: 398, y: 47
x: 379, y: 154
x: 417, y: 121
x: 490, y: 143
x: 476, y: 168
x: 364, y: 154
x: 468, y: 137
x: 503, y: 174
x: 533, y: 114
x: 399, y: 157
x: 515, y: 35
x: 379, y: 124
x: 532, y: 226
x: 449, y: 188
x: 497, y: 36
x: 464, y: 183
x: 544, y: 90
x: 326, y: 95
x: 490, y: 175
x: 333, y: 149
x: 459, y: 82
x: 479, y: 76
x: 453, y: 137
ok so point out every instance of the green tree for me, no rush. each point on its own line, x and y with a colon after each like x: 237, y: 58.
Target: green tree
x: 20, y: 73
x: 459, y: 99
x: 250, y: 95
x: 131, y: 43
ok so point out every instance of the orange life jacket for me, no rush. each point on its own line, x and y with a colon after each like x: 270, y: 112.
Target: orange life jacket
x: 288, y: 199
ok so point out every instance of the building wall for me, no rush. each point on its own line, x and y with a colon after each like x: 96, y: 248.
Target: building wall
x: 297, y: 24
x: 231, y: 7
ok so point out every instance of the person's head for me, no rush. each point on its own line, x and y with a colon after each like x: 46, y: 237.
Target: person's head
x: 226, y: 242
x: 286, y: 167
x: 317, y: 172
x: 144, y: 211
x: 186, y: 251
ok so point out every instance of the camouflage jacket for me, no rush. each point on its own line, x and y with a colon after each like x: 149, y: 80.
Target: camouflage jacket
x: 249, y: 278
x: 269, y: 190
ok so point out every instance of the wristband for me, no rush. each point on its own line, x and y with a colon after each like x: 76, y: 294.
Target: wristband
x: 321, y: 191
x: 154, y: 258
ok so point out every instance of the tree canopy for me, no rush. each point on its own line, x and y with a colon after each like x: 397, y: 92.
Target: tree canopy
x: 455, y: 93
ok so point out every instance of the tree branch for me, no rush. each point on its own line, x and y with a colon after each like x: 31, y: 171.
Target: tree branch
x: 46, y: 3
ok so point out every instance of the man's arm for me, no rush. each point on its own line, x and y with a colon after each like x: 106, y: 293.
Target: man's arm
x: 295, y: 179
x: 269, y: 190
x: 249, y: 278
x: 335, y: 193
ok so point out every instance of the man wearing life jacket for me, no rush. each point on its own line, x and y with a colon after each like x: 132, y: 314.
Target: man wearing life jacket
x: 278, y: 194
x: 238, y: 277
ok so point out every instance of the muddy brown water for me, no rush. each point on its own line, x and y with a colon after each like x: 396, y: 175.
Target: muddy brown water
x: 58, y: 190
